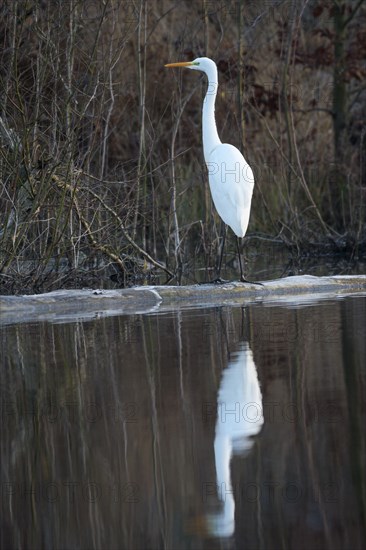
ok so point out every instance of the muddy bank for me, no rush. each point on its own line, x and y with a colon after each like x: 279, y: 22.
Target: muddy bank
x: 68, y: 305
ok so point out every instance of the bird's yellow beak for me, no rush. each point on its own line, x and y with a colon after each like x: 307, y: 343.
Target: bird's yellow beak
x: 180, y: 64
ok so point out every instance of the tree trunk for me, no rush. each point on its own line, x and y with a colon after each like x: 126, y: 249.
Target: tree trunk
x: 339, y: 83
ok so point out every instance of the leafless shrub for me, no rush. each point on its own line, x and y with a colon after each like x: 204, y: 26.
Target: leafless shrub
x: 101, y: 166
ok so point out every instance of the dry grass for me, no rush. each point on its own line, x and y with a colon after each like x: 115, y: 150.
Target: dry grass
x: 101, y: 158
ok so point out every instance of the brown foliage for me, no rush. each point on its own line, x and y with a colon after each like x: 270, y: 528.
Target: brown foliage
x: 85, y: 99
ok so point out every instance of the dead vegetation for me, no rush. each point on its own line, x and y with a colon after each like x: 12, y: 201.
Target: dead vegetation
x: 101, y: 165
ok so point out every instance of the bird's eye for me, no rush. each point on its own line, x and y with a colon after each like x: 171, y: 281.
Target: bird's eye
x: 196, y: 63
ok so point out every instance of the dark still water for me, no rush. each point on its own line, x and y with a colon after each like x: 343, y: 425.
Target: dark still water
x: 203, y: 428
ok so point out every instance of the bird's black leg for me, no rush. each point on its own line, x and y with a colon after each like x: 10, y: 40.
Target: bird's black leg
x: 222, y: 250
x: 218, y: 279
x: 242, y: 278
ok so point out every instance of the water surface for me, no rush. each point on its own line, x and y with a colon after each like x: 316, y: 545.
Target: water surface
x: 204, y: 428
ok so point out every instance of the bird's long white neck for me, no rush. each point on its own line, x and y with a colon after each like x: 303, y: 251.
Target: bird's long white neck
x: 209, y: 130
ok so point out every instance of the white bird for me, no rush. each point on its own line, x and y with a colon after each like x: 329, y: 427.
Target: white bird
x: 230, y: 176
x: 239, y: 419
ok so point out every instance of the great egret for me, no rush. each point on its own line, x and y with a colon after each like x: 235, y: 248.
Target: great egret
x: 239, y: 418
x: 230, y: 176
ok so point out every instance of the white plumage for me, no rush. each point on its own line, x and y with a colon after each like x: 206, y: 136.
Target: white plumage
x: 230, y: 176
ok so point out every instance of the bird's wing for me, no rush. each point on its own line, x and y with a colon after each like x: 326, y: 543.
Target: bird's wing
x: 231, y: 183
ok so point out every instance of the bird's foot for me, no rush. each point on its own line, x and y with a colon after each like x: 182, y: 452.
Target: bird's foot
x: 244, y: 280
x: 219, y: 281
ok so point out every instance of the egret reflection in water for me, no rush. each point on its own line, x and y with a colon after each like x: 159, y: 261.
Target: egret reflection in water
x: 239, y: 418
